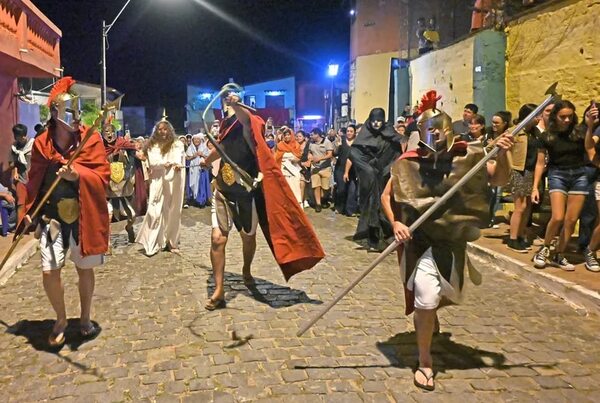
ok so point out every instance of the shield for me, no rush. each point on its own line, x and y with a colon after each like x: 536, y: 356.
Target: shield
x: 117, y: 171
x: 68, y: 210
x: 228, y: 174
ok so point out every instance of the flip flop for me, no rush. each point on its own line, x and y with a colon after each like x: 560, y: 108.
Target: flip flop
x: 211, y: 304
x: 89, y: 331
x: 425, y: 386
x: 56, y: 339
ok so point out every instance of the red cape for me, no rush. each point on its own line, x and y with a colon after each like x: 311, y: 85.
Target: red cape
x: 119, y: 144
x: 94, y: 173
x: 293, y: 241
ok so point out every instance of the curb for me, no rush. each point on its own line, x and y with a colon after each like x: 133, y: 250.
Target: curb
x: 18, y: 259
x: 574, y: 294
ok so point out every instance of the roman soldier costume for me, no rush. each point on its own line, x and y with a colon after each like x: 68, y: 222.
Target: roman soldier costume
x: 287, y: 230
x: 120, y: 154
x: 76, y: 210
x: 422, y: 176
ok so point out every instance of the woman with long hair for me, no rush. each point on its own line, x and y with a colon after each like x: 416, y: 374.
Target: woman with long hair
x: 288, y: 155
x: 567, y: 182
x: 521, y: 183
x: 500, y: 124
x: 476, y: 129
x: 166, y: 161
x: 346, y: 194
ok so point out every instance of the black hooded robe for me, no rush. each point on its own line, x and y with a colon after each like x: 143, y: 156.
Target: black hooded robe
x: 372, y: 155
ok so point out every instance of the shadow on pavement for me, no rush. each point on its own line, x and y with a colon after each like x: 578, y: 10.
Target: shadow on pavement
x: 37, y: 332
x: 263, y: 291
x: 401, y: 351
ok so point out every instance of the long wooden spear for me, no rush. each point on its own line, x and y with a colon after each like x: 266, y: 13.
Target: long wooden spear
x: 88, y: 134
x: 552, y: 96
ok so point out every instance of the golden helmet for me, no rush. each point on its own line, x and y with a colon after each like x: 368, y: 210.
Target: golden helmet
x: 435, y: 125
x: 64, y: 104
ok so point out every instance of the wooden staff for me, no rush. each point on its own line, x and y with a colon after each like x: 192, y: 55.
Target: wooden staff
x: 441, y: 201
x: 89, y: 133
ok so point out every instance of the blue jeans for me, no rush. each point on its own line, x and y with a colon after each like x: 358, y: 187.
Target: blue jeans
x: 568, y: 181
x: 587, y: 219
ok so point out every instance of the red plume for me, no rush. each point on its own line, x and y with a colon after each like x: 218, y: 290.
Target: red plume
x: 60, y: 87
x: 429, y: 101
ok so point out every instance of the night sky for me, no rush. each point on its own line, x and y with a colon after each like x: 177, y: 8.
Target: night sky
x: 158, y: 46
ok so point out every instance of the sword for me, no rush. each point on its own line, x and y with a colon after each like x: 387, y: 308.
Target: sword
x: 552, y: 97
x: 88, y: 134
x: 242, y: 177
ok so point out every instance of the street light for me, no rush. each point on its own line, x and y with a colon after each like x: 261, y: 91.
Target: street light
x: 332, y: 71
x: 105, y: 30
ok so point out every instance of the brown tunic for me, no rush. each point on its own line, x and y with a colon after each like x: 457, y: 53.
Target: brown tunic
x: 417, y: 183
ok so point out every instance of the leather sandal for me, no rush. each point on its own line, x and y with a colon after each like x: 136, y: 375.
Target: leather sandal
x: 425, y: 386
x: 212, y: 304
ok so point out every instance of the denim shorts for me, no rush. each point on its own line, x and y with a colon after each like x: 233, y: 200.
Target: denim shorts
x: 568, y: 181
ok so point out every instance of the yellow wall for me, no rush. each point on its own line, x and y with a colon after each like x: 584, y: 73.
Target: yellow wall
x: 560, y: 43
x: 372, y: 84
x: 449, y: 71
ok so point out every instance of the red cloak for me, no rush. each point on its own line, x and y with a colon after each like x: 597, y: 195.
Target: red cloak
x: 294, y: 243
x: 94, y: 173
x: 119, y: 144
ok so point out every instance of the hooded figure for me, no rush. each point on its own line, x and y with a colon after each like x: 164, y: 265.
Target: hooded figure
x: 375, y: 149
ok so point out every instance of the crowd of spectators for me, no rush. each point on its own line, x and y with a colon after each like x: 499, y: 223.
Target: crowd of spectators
x: 556, y: 175
x: 558, y: 166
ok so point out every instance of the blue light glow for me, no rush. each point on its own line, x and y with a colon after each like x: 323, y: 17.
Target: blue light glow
x: 333, y: 70
x: 274, y: 93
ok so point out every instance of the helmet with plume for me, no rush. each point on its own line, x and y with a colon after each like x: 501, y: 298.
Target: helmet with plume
x: 435, y: 126
x: 64, y: 104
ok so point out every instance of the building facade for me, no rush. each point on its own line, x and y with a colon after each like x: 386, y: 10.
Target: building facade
x: 29, y: 47
x: 383, y: 37
x: 274, y: 98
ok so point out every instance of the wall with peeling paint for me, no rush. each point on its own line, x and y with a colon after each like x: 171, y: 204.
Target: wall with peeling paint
x: 449, y: 71
x: 559, y: 43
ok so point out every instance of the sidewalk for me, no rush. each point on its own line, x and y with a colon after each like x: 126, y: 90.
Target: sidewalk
x: 580, y: 288
x: 26, y: 248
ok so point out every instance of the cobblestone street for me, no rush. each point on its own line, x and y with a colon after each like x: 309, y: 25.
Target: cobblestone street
x: 508, y: 342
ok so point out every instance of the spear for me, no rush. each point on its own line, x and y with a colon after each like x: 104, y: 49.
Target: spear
x: 88, y: 134
x: 552, y: 97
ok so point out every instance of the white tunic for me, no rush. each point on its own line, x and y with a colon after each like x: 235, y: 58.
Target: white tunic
x: 163, y: 218
x: 291, y: 171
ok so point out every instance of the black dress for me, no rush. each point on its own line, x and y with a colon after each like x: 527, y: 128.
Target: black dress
x: 372, y: 155
x: 346, y: 193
